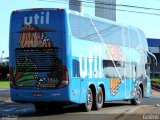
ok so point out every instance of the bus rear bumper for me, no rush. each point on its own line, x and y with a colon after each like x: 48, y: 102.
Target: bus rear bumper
x: 56, y: 95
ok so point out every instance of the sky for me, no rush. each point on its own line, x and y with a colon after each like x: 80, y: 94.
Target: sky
x: 149, y: 24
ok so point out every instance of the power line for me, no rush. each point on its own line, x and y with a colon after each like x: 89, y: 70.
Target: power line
x: 106, y: 3
x: 130, y: 6
x: 111, y: 4
x: 121, y: 5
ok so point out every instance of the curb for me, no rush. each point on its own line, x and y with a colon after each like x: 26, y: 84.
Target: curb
x: 4, y: 88
x: 141, y: 109
x: 144, y: 109
x: 5, y: 99
x: 5, y: 96
x: 140, y: 112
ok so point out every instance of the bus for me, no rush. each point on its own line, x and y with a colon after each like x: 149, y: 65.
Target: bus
x: 60, y: 57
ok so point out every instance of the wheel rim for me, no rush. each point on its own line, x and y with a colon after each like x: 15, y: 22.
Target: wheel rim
x: 89, y: 100
x: 100, y: 98
x: 139, y: 96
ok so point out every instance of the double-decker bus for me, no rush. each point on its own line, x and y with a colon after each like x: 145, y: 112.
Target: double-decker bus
x: 59, y: 57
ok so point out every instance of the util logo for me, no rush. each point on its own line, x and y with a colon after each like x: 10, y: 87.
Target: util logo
x: 38, y: 18
x: 91, y: 65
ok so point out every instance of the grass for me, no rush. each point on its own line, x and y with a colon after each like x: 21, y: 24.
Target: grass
x: 4, y: 83
x: 156, y: 80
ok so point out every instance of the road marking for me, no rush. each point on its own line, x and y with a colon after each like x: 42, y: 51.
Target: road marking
x: 9, y: 109
x: 155, y: 97
x: 133, y: 109
x: 24, y: 110
x: 4, y: 89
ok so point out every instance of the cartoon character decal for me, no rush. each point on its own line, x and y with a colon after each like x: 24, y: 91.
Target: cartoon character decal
x: 118, y: 57
x: 32, y: 36
x: 116, y: 53
x: 31, y: 71
x: 114, y: 86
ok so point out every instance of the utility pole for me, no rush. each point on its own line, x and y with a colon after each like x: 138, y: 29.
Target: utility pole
x: 106, y: 9
x: 75, y: 5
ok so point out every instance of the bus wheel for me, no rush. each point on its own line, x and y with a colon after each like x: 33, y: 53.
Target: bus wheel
x: 87, y: 107
x: 138, y: 99
x: 55, y: 108
x: 99, y: 100
x: 40, y: 107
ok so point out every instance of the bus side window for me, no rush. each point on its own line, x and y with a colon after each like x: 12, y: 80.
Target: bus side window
x: 134, y: 40
x: 75, y: 68
x: 109, y: 69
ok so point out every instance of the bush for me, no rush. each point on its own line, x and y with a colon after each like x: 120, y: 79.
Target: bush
x: 155, y: 80
x: 4, y: 70
x: 155, y: 83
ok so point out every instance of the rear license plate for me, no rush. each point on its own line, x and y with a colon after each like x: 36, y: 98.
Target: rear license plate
x: 36, y: 94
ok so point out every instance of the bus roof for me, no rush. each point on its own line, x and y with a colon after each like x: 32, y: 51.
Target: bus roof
x: 80, y: 14
x: 36, y: 9
x: 102, y: 19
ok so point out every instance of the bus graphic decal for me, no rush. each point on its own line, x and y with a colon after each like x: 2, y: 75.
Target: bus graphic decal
x: 114, y: 86
x: 32, y: 36
x: 116, y: 52
x: 59, y: 56
x: 36, y: 54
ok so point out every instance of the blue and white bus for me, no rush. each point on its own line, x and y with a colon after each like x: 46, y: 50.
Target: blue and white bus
x: 59, y: 57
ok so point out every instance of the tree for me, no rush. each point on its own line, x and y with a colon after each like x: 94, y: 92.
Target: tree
x: 4, y: 69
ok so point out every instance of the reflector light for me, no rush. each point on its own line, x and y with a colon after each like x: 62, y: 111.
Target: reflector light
x: 59, y: 9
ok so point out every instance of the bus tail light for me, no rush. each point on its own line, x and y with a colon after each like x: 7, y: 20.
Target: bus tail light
x: 11, y: 78
x: 59, y: 9
x: 64, y: 78
x: 16, y: 11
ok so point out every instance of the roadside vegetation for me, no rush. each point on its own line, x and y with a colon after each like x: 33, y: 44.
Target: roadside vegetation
x: 4, y: 70
x: 4, y: 83
x: 155, y: 83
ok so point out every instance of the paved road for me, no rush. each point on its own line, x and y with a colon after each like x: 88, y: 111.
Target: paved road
x: 4, y: 92
x: 27, y: 111
x: 111, y: 111
x: 151, y: 101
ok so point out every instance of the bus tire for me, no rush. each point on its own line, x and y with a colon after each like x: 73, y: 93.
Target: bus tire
x: 55, y: 108
x: 138, y: 98
x: 87, y: 107
x: 99, y: 99
x: 48, y: 107
x: 40, y: 107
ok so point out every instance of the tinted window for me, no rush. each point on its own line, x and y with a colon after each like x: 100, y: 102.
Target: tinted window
x: 110, y: 33
x: 82, y: 28
x: 75, y: 68
x: 126, y: 37
x: 126, y: 70
x: 143, y: 40
x: 134, y: 40
x: 109, y: 69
